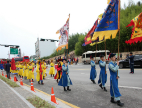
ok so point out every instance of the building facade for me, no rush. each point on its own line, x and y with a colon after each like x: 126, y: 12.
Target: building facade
x: 44, y: 47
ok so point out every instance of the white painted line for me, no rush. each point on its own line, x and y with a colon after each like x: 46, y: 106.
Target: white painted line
x: 27, y: 102
x: 139, y: 88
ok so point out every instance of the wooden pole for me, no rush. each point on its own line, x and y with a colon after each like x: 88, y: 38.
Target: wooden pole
x: 105, y: 56
x: 67, y: 54
x: 96, y: 51
x: 118, y: 30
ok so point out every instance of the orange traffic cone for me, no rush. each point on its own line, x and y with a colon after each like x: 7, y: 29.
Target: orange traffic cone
x: 2, y: 73
x: 53, y: 96
x: 21, y: 82
x: 6, y: 76
x: 32, y: 87
x: 14, y: 78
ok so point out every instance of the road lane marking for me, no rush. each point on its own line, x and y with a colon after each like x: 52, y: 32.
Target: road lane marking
x: 99, y: 69
x: 139, y: 88
x: 69, y: 104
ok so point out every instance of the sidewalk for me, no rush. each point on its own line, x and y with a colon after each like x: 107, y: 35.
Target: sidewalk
x: 24, y: 92
x: 9, y: 99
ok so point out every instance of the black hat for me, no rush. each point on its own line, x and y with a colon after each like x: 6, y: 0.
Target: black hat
x: 101, y: 56
x: 131, y: 53
x: 64, y: 59
x: 112, y: 55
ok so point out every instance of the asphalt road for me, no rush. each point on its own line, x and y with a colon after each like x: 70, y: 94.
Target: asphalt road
x: 85, y: 94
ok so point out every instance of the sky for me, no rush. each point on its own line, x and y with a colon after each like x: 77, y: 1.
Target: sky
x: 23, y: 21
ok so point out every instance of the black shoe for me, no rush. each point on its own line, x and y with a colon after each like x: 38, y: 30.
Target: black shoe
x: 32, y: 80
x: 112, y: 100
x: 105, y: 89
x: 65, y: 89
x: 38, y: 82
x: 119, y: 103
x: 101, y: 86
x: 94, y: 82
x: 68, y: 88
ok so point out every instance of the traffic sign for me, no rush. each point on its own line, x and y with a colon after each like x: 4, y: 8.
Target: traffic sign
x: 13, y: 50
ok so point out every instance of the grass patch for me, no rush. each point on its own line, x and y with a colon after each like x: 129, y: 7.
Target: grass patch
x: 39, y: 103
x: 9, y: 82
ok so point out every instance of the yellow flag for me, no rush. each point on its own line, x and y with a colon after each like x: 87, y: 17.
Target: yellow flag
x: 58, y: 32
x: 108, y: 1
x: 100, y: 16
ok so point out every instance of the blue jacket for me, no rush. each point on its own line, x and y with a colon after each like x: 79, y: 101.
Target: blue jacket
x: 7, y: 67
x: 131, y: 59
x: 65, y: 79
x: 114, y: 90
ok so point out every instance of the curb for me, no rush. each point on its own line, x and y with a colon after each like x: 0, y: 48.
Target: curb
x: 27, y: 88
x: 21, y: 97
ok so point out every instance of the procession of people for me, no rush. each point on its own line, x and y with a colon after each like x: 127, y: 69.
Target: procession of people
x: 60, y: 72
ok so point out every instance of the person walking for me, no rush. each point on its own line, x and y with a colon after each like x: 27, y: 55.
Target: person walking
x: 120, y: 56
x: 93, y: 72
x: 65, y: 79
x: 114, y: 76
x: 131, y: 62
x: 7, y: 68
x: 103, y: 74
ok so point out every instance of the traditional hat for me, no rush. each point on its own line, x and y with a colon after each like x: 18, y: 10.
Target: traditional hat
x: 59, y: 60
x: 101, y: 56
x: 112, y: 55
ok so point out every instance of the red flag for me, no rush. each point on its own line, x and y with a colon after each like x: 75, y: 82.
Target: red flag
x: 40, y: 72
x: 90, y: 32
x: 33, y: 69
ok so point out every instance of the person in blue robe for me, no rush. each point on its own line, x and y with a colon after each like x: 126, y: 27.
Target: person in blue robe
x: 93, y: 73
x: 1, y: 66
x: 114, y: 75
x: 103, y: 74
x: 65, y: 80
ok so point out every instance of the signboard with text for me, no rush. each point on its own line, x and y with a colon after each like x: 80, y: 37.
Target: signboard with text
x: 13, y: 50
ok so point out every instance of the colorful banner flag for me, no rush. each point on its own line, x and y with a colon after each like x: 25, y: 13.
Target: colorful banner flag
x: 64, y: 35
x: 136, y: 30
x: 88, y: 37
x: 108, y: 26
x: 97, y: 41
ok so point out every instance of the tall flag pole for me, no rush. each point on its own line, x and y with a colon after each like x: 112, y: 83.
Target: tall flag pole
x: 118, y: 27
x: 119, y: 31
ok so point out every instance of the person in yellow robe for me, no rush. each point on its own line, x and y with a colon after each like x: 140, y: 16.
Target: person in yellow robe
x: 21, y: 70
x: 37, y: 71
x: 38, y: 76
x: 31, y: 73
x: 44, y: 70
x: 33, y: 64
x: 25, y: 70
x: 52, y: 70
